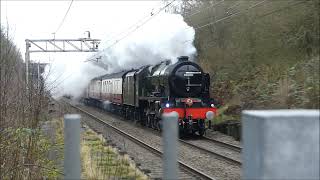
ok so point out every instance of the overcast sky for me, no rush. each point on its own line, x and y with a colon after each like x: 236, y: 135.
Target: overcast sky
x: 165, y: 36
x: 39, y: 19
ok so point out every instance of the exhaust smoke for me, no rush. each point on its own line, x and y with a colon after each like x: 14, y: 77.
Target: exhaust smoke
x: 166, y: 36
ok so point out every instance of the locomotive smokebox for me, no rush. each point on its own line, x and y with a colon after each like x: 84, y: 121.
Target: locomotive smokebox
x: 183, y: 58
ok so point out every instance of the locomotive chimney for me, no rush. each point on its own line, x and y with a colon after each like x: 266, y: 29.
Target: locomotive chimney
x: 183, y: 58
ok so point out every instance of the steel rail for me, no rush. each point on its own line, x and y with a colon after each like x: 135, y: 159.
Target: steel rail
x: 224, y: 144
x: 233, y: 161
x: 183, y: 165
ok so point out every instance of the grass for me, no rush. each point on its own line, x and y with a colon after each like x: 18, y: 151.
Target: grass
x: 100, y: 161
x: 222, y: 116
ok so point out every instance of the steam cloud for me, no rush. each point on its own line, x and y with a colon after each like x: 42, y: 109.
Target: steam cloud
x: 166, y: 36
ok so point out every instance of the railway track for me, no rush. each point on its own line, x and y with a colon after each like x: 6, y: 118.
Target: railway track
x: 185, y: 167
x: 224, y: 144
x: 221, y: 156
x: 227, y: 146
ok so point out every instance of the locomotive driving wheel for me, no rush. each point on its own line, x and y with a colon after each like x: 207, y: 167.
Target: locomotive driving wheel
x: 201, y: 132
x: 201, y: 127
x: 159, y: 124
x: 149, y: 121
x: 156, y: 124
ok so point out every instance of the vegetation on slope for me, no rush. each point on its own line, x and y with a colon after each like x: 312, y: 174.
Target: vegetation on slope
x: 260, y: 54
x: 22, y: 144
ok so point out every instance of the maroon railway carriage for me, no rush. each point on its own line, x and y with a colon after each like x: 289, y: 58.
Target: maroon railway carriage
x: 106, y: 90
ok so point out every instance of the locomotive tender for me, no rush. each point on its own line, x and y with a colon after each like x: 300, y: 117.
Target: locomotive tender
x: 145, y: 93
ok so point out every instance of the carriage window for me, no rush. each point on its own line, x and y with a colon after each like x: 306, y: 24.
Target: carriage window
x: 108, y: 86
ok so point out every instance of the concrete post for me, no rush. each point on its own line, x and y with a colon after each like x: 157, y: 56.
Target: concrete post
x: 72, y: 169
x: 280, y: 144
x: 170, y: 149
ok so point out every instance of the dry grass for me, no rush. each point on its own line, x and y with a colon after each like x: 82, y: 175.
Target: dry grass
x: 103, y: 162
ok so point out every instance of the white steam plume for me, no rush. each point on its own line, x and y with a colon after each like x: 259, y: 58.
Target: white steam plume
x: 70, y: 76
x: 166, y: 36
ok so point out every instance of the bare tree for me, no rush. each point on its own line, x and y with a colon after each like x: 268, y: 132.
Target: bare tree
x: 21, y: 112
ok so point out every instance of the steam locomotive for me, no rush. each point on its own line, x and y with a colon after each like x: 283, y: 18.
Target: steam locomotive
x: 144, y: 94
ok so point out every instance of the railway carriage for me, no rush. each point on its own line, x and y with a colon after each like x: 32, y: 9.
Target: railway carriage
x: 144, y: 94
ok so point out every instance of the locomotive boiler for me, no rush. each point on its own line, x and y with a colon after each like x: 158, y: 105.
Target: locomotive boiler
x: 144, y: 94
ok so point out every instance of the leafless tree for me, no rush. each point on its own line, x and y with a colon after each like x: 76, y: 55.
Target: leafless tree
x: 21, y: 112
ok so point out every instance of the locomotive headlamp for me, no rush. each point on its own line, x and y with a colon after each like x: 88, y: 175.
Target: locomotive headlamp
x: 212, y: 105
x: 189, y: 102
x: 210, y: 115
x: 167, y: 105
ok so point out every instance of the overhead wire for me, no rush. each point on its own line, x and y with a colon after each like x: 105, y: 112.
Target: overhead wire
x: 228, y: 9
x: 132, y: 26
x: 197, y: 12
x: 235, y: 4
x: 197, y: 28
x: 282, y: 8
x: 224, y: 18
x: 57, y: 82
x: 232, y: 15
x: 64, y: 18
x: 253, y: 6
x: 54, y: 36
x: 122, y: 32
x: 200, y: 27
x: 126, y: 30
x: 236, y: 14
x: 138, y: 27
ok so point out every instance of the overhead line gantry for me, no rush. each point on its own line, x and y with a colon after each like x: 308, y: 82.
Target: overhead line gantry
x: 59, y: 45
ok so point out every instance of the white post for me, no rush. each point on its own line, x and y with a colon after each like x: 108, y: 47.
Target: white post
x: 170, y: 149
x: 72, y: 146
x: 280, y: 144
